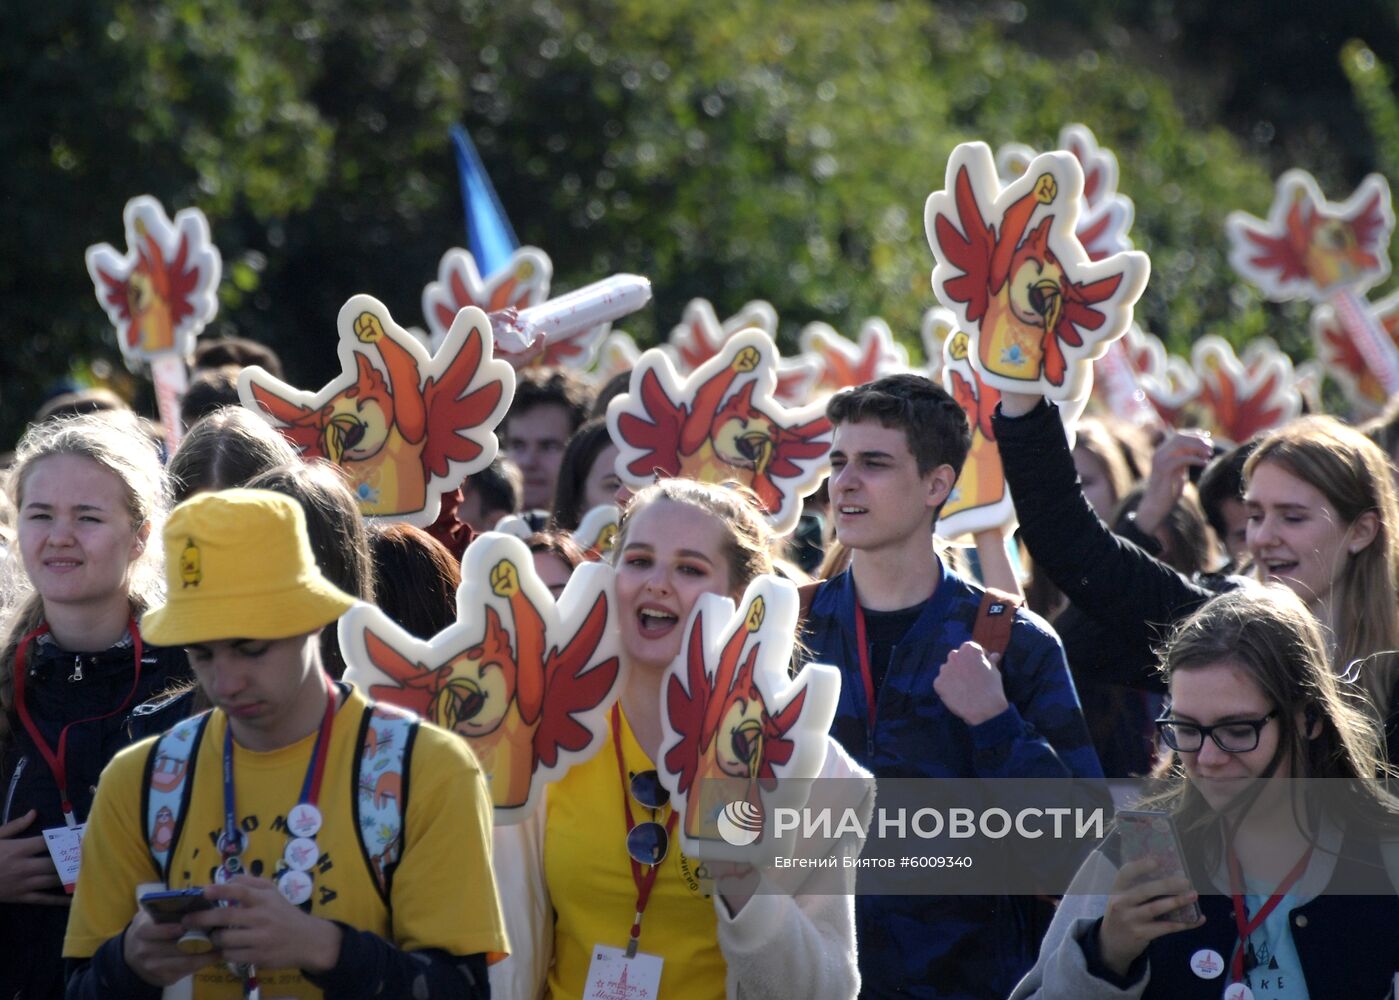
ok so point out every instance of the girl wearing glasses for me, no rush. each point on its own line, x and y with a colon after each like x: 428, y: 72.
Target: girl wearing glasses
x: 1253, y: 703
x: 1321, y: 520
x: 602, y: 860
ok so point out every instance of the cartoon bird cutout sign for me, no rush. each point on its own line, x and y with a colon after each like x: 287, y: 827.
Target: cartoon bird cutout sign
x: 163, y: 291
x: 1342, y: 361
x: 1310, y: 248
x: 1244, y: 397
x: 740, y: 738
x: 404, y: 427
x: 522, y: 282
x: 721, y: 424
x: 1011, y: 269
x: 527, y: 682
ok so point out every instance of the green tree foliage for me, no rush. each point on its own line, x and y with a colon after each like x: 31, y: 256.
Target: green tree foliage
x: 781, y: 150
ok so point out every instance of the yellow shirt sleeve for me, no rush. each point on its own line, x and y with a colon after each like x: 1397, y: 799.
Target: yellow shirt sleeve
x: 114, y: 859
x: 443, y: 891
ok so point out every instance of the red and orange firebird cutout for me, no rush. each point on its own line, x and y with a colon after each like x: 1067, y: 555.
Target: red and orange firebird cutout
x: 1106, y: 215
x: 522, y: 282
x: 164, y: 289
x: 1012, y: 270
x: 1310, y: 248
x: 404, y: 427
x: 845, y: 362
x: 527, y: 682
x: 1341, y: 358
x: 741, y: 739
x: 721, y: 424
x: 700, y: 336
x: 1244, y: 397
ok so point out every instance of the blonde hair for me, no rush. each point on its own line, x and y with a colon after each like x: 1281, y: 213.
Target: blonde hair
x: 748, y: 540
x: 1353, y: 474
x: 116, y: 441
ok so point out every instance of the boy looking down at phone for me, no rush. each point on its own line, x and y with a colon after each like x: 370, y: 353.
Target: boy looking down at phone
x: 345, y: 845
x: 919, y: 698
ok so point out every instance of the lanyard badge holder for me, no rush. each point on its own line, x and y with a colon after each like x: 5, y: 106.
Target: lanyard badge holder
x: 65, y: 842
x: 1237, y: 989
x: 302, y: 853
x: 614, y: 969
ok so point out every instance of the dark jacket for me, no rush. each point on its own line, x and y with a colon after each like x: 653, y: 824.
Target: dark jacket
x: 1346, y: 943
x: 1131, y: 597
x: 949, y: 946
x: 63, y: 687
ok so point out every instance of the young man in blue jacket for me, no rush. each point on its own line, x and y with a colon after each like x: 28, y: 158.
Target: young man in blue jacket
x: 921, y: 700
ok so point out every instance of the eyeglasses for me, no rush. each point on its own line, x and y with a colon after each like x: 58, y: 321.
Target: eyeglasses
x: 1237, y: 736
x: 647, y: 843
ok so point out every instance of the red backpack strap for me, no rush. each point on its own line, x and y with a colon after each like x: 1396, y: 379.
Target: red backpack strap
x: 994, y: 619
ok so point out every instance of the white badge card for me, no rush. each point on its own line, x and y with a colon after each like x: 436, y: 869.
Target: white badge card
x: 65, y: 844
x: 612, y: 975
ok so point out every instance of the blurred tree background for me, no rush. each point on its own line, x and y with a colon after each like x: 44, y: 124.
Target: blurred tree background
x: 780, y: 150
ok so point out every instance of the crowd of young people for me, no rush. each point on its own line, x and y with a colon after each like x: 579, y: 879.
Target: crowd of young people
x: 215, y: 695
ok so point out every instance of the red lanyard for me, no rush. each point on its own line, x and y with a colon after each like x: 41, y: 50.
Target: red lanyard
x: 1245, y: 926
x: 865, y: 673
x: 58, y: 762
x: 644, y: 883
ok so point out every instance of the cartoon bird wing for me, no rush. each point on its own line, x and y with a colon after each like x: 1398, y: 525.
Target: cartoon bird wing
x: 967, y: 399
x: 1080, y: 313
x: 1369, y: 222
x: 686, y: 710
x: 451, y: 409
x: 657, y: 433
x: 971, y: 253
x: 569, y: 688
x: 1267, y: 252
x: 777, y: 746
x: 301, y: 425
x: 416, y: 685
x: 183, y: 279
x: 113, y: 293
x: 798, y: 444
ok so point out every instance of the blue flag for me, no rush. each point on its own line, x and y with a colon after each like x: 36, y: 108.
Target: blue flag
x: 488, y: 234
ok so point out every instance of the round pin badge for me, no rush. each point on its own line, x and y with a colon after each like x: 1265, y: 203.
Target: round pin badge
x: 301, y: 854
x: 233, y: 865
x: 1207, y: 964
x: 295, y: 886
x: 221, y: 875
x: 231, y: 845
x: 1237, y: 991
x: 304, y: 820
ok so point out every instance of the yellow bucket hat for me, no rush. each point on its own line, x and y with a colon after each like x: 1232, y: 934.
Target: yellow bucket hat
x: 238, y: 565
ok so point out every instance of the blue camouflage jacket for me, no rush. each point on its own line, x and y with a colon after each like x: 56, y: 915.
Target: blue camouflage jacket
x: 950, y: 947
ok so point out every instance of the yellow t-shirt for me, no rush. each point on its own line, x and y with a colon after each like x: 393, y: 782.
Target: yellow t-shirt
x: 443, y: 893
x: 593, y: 895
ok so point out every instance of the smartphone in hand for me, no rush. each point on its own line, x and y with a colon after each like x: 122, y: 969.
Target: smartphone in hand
x: 1147, y: 833
x: 170, y: 906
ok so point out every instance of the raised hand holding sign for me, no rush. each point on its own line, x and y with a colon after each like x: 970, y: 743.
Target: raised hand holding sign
x: 1037, y: 309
